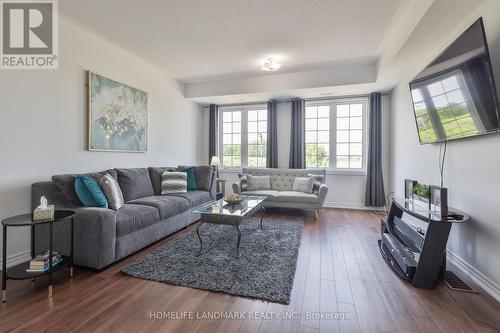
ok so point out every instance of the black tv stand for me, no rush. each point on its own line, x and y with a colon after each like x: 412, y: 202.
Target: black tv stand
x: 417, y: 253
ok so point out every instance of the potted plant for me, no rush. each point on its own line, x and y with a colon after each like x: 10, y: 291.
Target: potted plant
x: 422, y: 192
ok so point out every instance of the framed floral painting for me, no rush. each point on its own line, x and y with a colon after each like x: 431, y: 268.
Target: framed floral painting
x: 118, y: 116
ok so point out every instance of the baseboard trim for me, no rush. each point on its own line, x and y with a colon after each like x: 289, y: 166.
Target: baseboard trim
x: 17, y: 258
x: 482, y: 281
x: 344, y: 205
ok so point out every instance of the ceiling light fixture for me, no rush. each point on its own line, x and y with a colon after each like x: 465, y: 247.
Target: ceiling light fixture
x: 270, y: 65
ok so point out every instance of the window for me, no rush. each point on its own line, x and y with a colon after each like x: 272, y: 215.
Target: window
x: 244, y: 136
x: 335, y: 134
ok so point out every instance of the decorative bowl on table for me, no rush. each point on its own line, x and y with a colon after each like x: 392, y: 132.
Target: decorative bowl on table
x: 233, y: 198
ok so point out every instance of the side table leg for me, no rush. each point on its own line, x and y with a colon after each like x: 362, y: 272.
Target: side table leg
x: 51, y: 232
x: 4, y: 265
x: 238, y: 243
x: 198, y: 234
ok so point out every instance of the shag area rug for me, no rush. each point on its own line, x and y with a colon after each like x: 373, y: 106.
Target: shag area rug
x: 265, y: 269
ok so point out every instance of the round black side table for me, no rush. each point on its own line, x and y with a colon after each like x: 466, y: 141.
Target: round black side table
x: 18, y: 272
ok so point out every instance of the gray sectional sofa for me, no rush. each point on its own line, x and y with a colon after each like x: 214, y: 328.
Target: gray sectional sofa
x: 281, y: 194
x: 103, y: 236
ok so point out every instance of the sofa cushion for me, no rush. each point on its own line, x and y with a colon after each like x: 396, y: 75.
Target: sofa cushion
x: 66, y: 183
x: 303, y: 184
x: 155, y: 176
x: 132, y: 217
x: 298, y: 197
x: 135, y: 183
x: 112, y: 191
x: 195, y: 197
x: 271, y: 195
x: 167, y: 206
x: 203, y: 174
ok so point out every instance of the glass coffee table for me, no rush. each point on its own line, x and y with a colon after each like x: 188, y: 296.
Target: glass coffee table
x: 222, y: 212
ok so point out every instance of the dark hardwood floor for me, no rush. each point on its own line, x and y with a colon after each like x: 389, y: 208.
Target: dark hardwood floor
x: 339, y: 270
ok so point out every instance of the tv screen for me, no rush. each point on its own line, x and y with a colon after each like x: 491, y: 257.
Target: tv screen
x: 455, y: 95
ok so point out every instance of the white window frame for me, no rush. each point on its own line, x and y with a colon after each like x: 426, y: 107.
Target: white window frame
x: 332, y: 169
x: 244, y: 132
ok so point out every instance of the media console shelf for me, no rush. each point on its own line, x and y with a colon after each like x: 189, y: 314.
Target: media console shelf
x: 417, y: 253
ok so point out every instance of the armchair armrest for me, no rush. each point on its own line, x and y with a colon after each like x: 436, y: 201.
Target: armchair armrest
x: 322, y: 192
x: 237, y: 188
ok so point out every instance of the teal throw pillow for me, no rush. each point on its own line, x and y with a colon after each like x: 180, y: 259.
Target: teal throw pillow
x: 89, y: 192
x: 191, y: 177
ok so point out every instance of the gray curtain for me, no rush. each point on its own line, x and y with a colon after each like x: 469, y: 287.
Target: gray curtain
x: 375, y: 194
x: 298, y: 136
x: 213, y: 143
x: 272, y: 134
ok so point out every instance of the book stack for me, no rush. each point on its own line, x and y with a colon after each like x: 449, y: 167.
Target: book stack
x: 41, y: 262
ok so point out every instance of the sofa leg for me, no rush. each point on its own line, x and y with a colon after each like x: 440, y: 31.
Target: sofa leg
x: 316, y: 213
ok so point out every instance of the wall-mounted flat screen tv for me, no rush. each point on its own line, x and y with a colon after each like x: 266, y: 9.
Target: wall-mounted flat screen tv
x: 455, y: 96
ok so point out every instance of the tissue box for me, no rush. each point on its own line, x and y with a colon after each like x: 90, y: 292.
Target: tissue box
x: 44, y: 214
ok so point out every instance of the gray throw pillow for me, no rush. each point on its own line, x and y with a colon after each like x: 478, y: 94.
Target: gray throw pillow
x: 303, y: 184
x: 173, y: 182
x: 318, y: 180
x: 112, y: 191
x: 243, y: 182
x: 257, y: 183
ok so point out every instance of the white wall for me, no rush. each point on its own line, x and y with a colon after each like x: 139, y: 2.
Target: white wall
x: 471, y: 171
x: 43, y: 121
x: 344, y: 190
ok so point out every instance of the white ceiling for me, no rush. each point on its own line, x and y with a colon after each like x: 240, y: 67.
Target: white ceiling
x: 204, y: 40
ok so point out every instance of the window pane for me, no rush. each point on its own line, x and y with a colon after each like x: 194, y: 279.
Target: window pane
x: 252, y: 161
x: 226, y: 128
x: 451, y: 83
x: 355, y: 162
x: 342, y: 123
x: 227, y: 150
x: 252, y: 138
x: 323, y: 149
x: 252, y: 150
x: 311, y: 112
x: 342, y: 162
x: 440, y: 101
x: 356, y: 135
x: 226, y: 139
x: 311, y: 124
x: 227, y: 161
x: 342, y: 149
x: 356, y: 123
x: 311, y: 161
x: 342, y: 136
x: 236, y: 127
x: 237, y: 116
x: 420, y: 108
x: 311, y: 149
x: 435, y: 89
x: 262, y: 114
x: 262, y: 126
x: 455, y: 97
x: 323, y: 111
x: 323, y: 136
x: 323, y: 124
x: 343, y: 110
x: 356, y: 110
x: 355, y: 149
x: 236, y: 161
x: 227, y: 116
x: 252, y: 127
x: 236, y: 138
x: 252, y: 115
x: 416, y: 95
x: 311, y: 137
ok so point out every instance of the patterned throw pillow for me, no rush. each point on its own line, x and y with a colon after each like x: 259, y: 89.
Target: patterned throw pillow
x: 243, y: 182
x: 318, y: 180
x: 303, y: 184
x: 173, y: 182
x: 112, y: 191
x: 257, y: 183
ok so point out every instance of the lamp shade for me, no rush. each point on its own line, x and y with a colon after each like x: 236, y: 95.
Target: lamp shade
x: 215, y: 160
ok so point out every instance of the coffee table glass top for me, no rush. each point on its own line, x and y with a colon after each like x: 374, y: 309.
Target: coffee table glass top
x: 221, y: 207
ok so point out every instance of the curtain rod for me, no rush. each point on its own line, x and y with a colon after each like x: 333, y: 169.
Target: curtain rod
x: 288, y: 100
